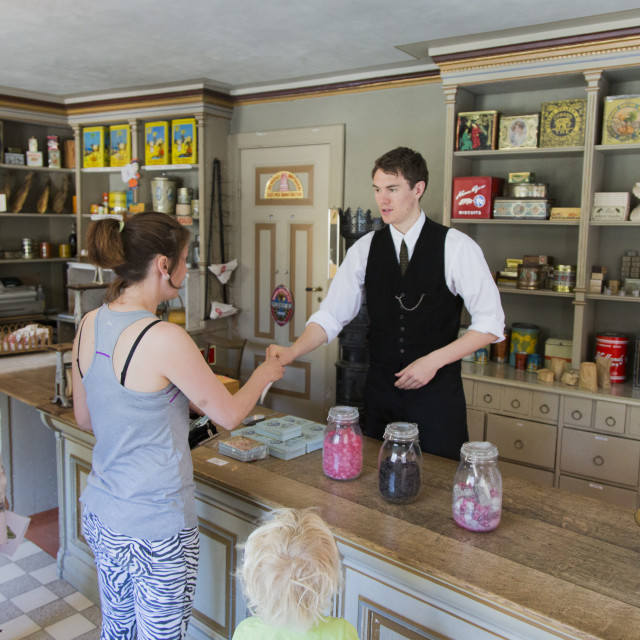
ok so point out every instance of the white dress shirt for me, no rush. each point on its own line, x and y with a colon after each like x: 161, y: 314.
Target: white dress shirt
x: 466, y: 274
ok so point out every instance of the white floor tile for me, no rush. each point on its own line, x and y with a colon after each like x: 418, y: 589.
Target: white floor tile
x: 26, y: 548
x: 18, y: 628
x: 33, y: 599
x: 9, y: 572
x: 78, y: 601
x: 47, y: 574
x: 70, y: 628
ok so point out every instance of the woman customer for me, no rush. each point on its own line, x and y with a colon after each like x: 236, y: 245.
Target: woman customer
x: 133, y: 378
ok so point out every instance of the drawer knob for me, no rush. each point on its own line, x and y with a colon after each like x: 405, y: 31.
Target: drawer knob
x: 515, y: 403
x: 576, y: 414
x: 544, y: 408
x: 518, y: 444
x: 610, y: 421
x: 487, y: 398
x: 598, y: 461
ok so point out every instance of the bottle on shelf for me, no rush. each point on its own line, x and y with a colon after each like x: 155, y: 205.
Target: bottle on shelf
x: 73, y: 240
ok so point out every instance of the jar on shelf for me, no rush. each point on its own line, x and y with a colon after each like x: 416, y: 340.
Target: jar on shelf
x: 342, y: 447
x: 400, y: 463
x: 477, y: 488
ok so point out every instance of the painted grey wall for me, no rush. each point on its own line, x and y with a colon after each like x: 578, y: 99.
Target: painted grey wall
x: 375, y: 121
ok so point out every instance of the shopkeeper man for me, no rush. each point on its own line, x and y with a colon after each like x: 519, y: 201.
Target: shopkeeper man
x: 417, y: 275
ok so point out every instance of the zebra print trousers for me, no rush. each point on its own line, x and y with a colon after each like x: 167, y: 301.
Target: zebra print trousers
x: 146, y: 586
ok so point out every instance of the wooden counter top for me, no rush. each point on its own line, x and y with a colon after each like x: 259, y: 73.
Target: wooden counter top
x: 568, y: 562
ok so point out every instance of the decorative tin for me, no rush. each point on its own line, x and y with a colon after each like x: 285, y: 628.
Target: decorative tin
x: 539, y: 190
x: 562, y: 123
x: 522, y: 177
x: 564, y: 278
x: 528, y: 277
x: 184, y: 137
x: 614, y: 347
x: 519, y: 132
x: 473, y: 196
x: 557, y: 348
x: 524, y: 339
x: 119, y: 145
x: 611, y: 206
x: 95, y: 147
x: 163, y: 195
x: 621, y: 120
x: 156, y: 143
x: 476, y: 130
x: 521, y: 208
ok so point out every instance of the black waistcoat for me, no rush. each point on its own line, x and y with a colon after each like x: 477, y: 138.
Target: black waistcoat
x: 398, y: 336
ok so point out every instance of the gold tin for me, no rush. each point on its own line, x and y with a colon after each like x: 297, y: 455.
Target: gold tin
x: 564, y: 278
x: 528, y: 277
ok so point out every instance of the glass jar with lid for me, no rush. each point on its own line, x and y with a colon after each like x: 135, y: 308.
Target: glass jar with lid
x: 400, y: 463
x: 342, y: 446
x: 477, y: 487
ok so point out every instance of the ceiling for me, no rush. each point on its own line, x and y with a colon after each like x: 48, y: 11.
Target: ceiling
x: 67, y: 48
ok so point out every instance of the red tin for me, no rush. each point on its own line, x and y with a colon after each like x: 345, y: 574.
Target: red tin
x: 614, y: 346
x: 473, y: 196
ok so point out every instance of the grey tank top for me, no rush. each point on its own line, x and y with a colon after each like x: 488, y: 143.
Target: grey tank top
x: 141, y: 481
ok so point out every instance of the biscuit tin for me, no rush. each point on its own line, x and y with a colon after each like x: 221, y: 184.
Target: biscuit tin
x: 522, y: 208
x: 95, y: 147
x: 119, y: 145
x: 621, y: 120
x: 565, y: 213
x: 562, y: 123
x: 476, y: 130
x: 612, y: 205
x: 522, y: 177
x: 184, y: 138
x: 539, y: 190
x: 473, y: 196
x: 156, y: 143
x: 519, y: 132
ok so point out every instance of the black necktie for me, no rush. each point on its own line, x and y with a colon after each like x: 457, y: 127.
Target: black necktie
x: 404, y: 257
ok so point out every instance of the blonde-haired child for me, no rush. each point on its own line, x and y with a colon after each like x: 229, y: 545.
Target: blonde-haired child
x: 290, y: 573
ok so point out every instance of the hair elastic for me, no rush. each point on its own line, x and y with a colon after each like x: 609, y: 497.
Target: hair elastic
x: 121, y: 226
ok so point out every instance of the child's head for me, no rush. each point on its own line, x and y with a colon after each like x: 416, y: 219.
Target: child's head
x: 291, y: 569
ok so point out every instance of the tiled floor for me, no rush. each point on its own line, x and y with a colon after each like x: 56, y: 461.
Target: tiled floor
x: 36, y: 605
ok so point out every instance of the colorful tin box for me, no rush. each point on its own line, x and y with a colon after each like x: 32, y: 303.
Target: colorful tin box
x: 473, y: 196
x: 476, y: 130
x: 157, y: 143
x: 184, y: 138
x: 621, y: 120
x: 562, y: 123
x: 533, y: 209
x: 95, y: 147
x: 119, y: 145
x: 519, y: 132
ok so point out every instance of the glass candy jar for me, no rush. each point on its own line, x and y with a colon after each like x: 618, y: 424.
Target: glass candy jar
x: 342, y: 447
x: 477, y: 487
x: 400, y: 463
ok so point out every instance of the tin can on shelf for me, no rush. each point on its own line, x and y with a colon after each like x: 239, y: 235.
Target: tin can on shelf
x: 564, y: 278
x: 27, y: 248
x: 500, y: 350
x: 533, y: 362
x: 524, y: 338
x: 185, y: 195
x: 614, y: 346
x: 64, y: 250
x: 45, y: 249
x: 528, y: 277
x: 481, y: 356
x: 521, y: 360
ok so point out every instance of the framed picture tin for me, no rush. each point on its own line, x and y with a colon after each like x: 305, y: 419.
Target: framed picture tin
x: 519, y: 132
x: 562, y: 123
x: 476, y: 130
x: 621, y: 120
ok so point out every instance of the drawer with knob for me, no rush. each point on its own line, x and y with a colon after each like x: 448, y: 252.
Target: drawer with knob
x: 577, y: 411
x: 544, y: 406
x: 612, y: 495
x: 610, y: 416
x: 487, y: 395
x: 523, y: 440
x: 602, y: 457
x: 515, y: 400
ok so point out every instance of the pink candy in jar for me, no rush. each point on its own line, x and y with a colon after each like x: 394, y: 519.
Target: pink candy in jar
x: 477, y: 488
x: 342, y: 448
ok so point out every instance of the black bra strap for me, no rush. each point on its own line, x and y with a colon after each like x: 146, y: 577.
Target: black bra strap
x: 123, y: 375
x: 78, y: 348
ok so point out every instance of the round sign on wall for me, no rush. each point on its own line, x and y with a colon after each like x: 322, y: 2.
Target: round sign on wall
x: 281, y: 305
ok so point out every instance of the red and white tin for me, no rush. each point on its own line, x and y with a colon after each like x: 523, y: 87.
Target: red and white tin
x: 614, y: 347
x: 472, y: 197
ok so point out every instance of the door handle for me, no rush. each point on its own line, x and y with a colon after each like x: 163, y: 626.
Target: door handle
x: 313, y: 289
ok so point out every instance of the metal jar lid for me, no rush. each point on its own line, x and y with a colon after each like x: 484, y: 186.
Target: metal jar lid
x: 401, y: 431
x: 479, y: 451
x: 343, y: 413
